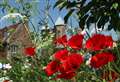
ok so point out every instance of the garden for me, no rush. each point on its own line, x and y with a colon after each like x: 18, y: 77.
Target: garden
x: 59, y: 41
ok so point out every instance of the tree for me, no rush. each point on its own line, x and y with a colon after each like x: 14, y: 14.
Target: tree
x: 92, y: 11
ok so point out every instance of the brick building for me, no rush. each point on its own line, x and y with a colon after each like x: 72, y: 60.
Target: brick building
x: 14, y: 39
x: 59, y: 25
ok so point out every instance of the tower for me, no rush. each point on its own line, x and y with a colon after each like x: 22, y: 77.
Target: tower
x: 60, y: 27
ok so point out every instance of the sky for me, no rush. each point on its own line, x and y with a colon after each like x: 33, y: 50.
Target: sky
x: 39, y: 6
x: 54, y: 12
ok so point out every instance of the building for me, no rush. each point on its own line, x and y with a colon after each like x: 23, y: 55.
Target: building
x: 59, y: 25
x: 14, y: 39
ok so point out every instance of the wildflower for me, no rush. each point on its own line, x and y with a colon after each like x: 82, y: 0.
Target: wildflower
x: 51, y: 68
x: 101, y: 59
x: 64, y: 63
x: 29, y: 51
x: 61, y: 54
x: 62, y: 40
x: 75, y: 41
x: 73, y: 62
x: 98, y: 42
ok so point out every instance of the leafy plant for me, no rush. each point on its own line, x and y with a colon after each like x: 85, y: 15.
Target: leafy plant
x: 92, y: 11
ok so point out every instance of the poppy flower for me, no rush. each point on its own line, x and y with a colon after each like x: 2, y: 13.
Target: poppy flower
x: 65, y: 63
x: 51, y: 68
x: 6, y: 81
x: 98, y: 42
x: 107, y: 74
x: 75, y: 60
x: 61, y: 54
x: 72, y: 63
x: 101, y: 59
x: 29, y: 51
x: 67, y: 75
x: 65, y: 66
x: 62, y: 40
x: 75, y: 41
x: 109, y: 41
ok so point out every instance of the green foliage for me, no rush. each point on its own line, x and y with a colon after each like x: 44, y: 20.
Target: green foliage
x: 31, y: 69
x: 93, y: 11
x: 25, y: 7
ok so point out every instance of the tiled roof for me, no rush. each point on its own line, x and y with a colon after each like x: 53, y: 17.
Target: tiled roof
x: 14, y: 26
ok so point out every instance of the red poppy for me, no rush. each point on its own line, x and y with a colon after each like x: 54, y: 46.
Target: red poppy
x: 29, y: 51
x: 65, y: 66
x: 6, y: 81
x: 75, y: 60
x: 67, y: 75
x: 61, y: 54
x: 62, y: 40
x: 75, y: 41
x: 98, y: 42
x: 72, y: 63
x: 109, y: 41
x: 109, y: 74
x: 51, y: 68
x: 101, y: 59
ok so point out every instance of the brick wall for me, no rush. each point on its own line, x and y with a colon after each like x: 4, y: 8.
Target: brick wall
x: 20, y: 37
x: 60, y: 30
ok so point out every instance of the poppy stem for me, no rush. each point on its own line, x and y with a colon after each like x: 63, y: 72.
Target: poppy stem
x: 73, y: 79
x: 88, y: 34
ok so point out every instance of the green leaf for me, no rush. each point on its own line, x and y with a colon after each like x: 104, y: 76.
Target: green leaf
x: 68, y: 15
x: 102, y: 21
x: 83, y: 21
x: 64, y: 4
x: 114, y: 5
x: 28, y: 5
x: 58, y: 3
x: 84, y: 10
x: 71, y: 4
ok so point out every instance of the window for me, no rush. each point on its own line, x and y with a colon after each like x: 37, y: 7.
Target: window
x: 13, y: 48
x: 5, y: 34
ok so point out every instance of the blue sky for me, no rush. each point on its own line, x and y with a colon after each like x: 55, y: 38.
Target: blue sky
x: 38, y: 6
x: 53, y: 12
